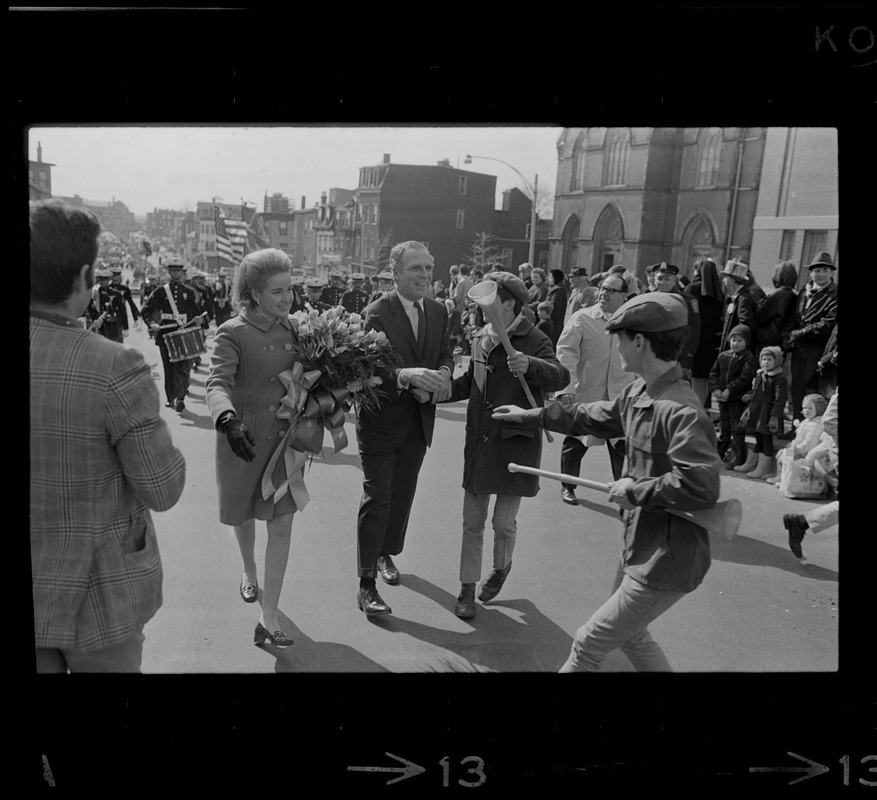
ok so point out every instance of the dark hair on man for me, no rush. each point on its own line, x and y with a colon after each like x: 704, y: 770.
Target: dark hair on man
x: 504, y: 294
x: 63, y: 239
x: 666, y: 345
x: 464, y: 269
x: 624, y: 285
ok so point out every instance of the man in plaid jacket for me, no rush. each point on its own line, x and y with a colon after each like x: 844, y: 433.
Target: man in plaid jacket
x: 100, y: 458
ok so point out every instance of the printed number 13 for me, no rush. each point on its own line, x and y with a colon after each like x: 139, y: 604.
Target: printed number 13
x: 476, y: 770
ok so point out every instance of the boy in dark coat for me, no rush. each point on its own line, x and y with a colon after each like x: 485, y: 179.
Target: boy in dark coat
x: 730, y: 378
x: 492, y: 444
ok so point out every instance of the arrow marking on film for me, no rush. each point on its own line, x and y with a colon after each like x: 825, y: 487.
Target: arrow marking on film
x: 815, y: 768
x: 408, y: 771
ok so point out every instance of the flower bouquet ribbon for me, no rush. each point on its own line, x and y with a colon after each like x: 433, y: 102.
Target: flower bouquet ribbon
x: 312, y: 408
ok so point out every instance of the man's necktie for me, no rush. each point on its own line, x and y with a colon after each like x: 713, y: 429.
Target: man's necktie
x: 421, y: 323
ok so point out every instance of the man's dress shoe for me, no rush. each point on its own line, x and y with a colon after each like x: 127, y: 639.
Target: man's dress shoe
x: 370, y: 602
x: 388, y: 570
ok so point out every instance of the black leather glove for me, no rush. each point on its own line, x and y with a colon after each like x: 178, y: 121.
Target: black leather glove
x: 239, y: 438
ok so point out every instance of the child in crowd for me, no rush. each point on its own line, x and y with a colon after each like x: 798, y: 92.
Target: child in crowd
x: 764, y: 412
x: 730, y: 377
x: 544, y: 322
x: 807, y: 435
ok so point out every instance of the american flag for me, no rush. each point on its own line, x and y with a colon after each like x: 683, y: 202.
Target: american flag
x: 231, y: 237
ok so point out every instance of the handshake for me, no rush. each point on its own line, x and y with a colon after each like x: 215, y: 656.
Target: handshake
x: 426, y: 385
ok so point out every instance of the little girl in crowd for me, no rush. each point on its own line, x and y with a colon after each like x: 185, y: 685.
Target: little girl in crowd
x: 807, y: 436
x: 764, y: 413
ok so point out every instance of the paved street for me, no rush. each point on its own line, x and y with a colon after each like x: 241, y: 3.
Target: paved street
x: 757, y: 610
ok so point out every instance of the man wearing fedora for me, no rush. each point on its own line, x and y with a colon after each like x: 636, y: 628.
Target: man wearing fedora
x: 815, y: 317
x: 582, y: 294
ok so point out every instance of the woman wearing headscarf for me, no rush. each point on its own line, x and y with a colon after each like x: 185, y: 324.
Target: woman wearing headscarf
x: 706, y: 290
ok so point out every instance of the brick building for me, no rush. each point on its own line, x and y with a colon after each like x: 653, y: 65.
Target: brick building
x: 39, y: 177
x: 641, y: 195
x: 440, y: 205
x: 797, y: 212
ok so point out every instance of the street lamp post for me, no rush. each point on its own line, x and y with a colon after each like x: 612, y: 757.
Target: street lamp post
x: 532, y: 188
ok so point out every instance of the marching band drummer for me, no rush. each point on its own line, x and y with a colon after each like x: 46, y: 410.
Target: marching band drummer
x: 170, y: 307
x: 125, y: 293
x: 672, y: 462
x: 106, y: 302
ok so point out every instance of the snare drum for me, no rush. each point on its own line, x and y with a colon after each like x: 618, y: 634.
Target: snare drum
x: 185, y: 343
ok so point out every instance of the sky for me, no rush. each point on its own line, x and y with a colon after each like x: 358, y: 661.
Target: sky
x: 174, y: 167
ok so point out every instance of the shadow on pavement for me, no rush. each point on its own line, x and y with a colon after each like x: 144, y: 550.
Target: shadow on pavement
x: 307, y: 655
x: 192, y: 420
x: 496, y: 642
x: 744, y: 550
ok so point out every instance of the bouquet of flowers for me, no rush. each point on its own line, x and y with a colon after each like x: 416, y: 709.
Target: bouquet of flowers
x: 346, y: 355
x: 336, y: 366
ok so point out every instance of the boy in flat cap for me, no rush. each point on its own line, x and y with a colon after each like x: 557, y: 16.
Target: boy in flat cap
x: 672, y: 462
x: 491, y: 380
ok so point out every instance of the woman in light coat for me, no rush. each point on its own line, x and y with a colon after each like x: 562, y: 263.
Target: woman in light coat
x: 243, y: 395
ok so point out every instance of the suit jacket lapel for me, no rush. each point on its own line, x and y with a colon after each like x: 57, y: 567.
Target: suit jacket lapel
x: 403, y: 322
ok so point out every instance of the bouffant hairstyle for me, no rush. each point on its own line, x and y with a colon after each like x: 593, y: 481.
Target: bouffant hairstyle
x: 63, y: 239
x: 538, y: 271
x: 254, y: 272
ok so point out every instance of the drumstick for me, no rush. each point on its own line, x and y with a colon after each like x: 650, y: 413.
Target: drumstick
x: 723, y: 519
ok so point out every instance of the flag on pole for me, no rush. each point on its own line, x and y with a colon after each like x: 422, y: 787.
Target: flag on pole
x: 257, y: 239
x: 237, y: 235
x: 224, y: 246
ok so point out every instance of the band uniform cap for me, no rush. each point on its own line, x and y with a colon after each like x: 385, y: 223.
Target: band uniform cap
x: 579, y: 272
x: 386, y: 275
x: 314, y: 283
x: 822, y: 259
x: 357, y: 276
x: 511, y: 283
x: 670, y: 269
x: 175, y: 263
x: 652, y: 312
x: 736, y: 269
x: 335, y: 273
x: 116, y: 270
x: 101, y: 272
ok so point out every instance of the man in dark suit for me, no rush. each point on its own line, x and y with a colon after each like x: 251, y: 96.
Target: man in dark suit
x: 393, y: 442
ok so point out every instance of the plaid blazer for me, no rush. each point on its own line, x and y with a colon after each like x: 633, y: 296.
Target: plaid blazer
x: 100, y: 458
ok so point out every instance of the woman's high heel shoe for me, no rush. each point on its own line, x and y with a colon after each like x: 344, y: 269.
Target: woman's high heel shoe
x: 278, y: 638
x: 249, y: 592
